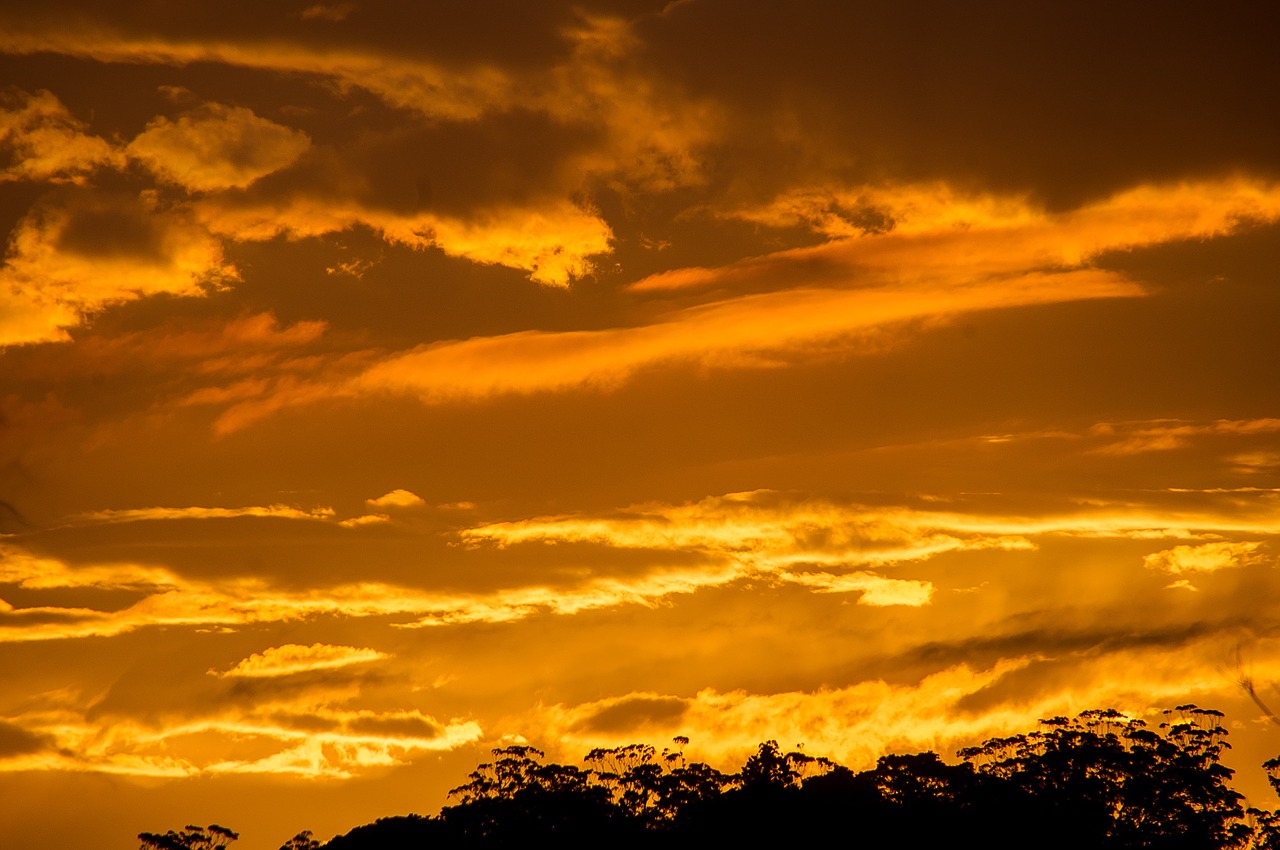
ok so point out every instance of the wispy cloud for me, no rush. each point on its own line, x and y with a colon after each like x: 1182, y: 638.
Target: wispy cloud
x: 194, y: 512
x: 861, y: 722
x: 312, y: 741
x: 294, y: 658
x: 1130, y: 438
x: 852, y: 293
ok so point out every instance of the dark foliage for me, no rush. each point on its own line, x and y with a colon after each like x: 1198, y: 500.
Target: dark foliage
x: 211, y: 837
x: 1100, y: 781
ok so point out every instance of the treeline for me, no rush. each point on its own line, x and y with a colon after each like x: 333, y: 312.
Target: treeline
x: 1100, y: 780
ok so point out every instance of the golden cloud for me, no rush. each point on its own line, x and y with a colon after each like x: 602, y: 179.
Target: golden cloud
x: 176, y: 601
x: 814, y: 543
x: 824, y: 546
x: 320, y: 741
x: 857, y: 724
x: 1165, y: 435
x: 73, y: 256
x: 397, y: 498
x: 159, y: 513
x: 553, y: 239
x: 644, y: 135
x: 46, y: 142
x: 854, y: 725
x: 985, y: 254
x: 995, y: 229
x: 366, y: 519
x: 875, y: 590
x: 771, y: 531
x: 20, y: 567
x: 651, y: 132
x: 429, y: 88
x: 738, y: 332
x: 294, y: 658
x: 217, y: 147
x: 238, y: 345
x: 1202, y: 558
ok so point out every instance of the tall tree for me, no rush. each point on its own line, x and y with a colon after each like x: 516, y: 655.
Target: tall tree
x: 211, y: 837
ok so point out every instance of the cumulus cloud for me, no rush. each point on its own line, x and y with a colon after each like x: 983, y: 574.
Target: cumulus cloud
x: 397, y: 498
x: 604, y: 122
x: 44, y: 141
x: 80, y: 252
x: 217, y: 147
x: 553, y: 239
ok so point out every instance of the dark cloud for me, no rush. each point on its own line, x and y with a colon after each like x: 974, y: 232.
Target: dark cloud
x: 450, y: 168
x: 1069, y: 102
x: 16, y: 741
x: 110, y: 231
x: 501, y: 32
x: 397, y: 726
x: 298, y: 687
x: 634, y: 712
x: 23, y: 618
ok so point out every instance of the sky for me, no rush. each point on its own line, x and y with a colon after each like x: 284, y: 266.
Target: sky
x: 384, y: 383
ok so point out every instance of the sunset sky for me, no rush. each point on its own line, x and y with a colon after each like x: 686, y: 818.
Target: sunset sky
x: 382, y: 383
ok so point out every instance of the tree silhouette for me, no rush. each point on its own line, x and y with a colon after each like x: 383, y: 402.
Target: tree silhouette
x: 302, y: 841
x: 211, y: 837
x: 516, y: 797
x: 1111, y: 779
x: 1100, y: 780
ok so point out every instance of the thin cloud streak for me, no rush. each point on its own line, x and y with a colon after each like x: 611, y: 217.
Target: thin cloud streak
x: 160, y: 513
x: 822, y: 546
x: 1002, y: 254
x: 294, y: 658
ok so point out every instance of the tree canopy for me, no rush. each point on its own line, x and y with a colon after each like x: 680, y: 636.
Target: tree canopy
x: 1099, y: 780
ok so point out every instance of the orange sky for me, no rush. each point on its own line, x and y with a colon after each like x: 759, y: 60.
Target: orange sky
x: 379, y: 386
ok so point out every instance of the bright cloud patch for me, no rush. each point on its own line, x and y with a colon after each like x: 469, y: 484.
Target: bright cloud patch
x: 81, y: 252
x: 43, y: 141
x: 294, y: 658
x: 158, y: 513
x: 280, y: 738
x: 217, y: 147
x: 876, y: 590
x: 1204, y: 558
x: 397, y: 499
x: 552, y: 239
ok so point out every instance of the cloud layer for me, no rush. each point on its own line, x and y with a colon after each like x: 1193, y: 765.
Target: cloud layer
x: 381, y: 385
